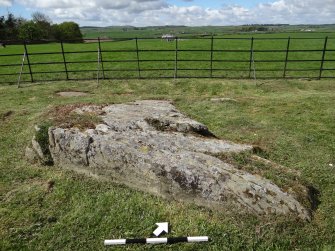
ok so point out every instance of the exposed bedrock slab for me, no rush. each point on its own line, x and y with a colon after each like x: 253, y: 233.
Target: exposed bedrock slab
x: 150, y: 146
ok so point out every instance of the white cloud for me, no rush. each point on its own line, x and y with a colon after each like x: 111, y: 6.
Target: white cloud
x: 297, y: 11
x: 83, y: 4
x: 6, y: 3
x: 159, y: 12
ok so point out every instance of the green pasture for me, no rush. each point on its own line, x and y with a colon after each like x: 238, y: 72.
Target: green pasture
x: 154, y: 32
x: 50, y: 208
x: 166, y: 59
x: 182, y: 31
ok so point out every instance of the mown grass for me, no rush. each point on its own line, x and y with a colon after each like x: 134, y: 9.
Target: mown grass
x: 75, y: 61
x: 49, y: 208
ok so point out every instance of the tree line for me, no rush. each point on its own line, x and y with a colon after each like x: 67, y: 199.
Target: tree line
x: 40, y: 27
x: 249, y: 28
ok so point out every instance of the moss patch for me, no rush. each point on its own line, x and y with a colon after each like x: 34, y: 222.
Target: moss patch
x: 42, y: 137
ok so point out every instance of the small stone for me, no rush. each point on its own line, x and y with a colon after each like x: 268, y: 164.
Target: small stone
x: 90, y: 131
x: 37, y: 148
x: 102, y: 128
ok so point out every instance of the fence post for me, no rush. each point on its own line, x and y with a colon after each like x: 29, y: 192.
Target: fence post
x: 323, y: 57
x: 18, y: 81
x: 212, y: 46
x: 65, y: 66
x: 29, y: 66
x: 286, y: 57
x: 251, y: 55
x: 101, y: 60
x: 176, y: 60
x: 138, y: 59
x: 98, y: 67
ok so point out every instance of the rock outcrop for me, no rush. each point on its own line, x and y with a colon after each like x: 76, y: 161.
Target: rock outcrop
x: 150, y: 146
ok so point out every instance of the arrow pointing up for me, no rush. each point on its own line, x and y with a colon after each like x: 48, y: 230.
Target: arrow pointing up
x: 162, y: 227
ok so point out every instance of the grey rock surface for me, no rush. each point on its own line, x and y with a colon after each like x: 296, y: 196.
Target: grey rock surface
x: 37, y: 148
x: 150, y: 146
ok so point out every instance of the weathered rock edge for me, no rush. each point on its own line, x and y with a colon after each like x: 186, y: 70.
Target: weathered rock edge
x: 150, y: 146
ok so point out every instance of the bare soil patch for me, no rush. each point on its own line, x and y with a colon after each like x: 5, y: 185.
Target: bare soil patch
x: 6, y: 115
x: 65, y: 117
x: 72, y: 94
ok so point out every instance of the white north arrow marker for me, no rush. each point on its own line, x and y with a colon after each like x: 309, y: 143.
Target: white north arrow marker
x: 162, y: 227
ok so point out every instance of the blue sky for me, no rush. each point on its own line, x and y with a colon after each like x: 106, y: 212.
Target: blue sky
x: 176, y: 12
x: 17, y: 9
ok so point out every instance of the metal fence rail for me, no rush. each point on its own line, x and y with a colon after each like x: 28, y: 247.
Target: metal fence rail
x: 213, y: 60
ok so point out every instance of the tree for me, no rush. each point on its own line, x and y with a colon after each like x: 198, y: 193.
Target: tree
x: 254, y: 28
x: 29, y: 31
x: 43, y: 24
x: 39, y: 17
x: 40, y: 27
x: 2, y: 28
x: 67, y: 31
x: 55, y: 32
x: 11, y: 29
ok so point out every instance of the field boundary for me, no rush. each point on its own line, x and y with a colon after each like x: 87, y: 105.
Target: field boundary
x: 212, y: 66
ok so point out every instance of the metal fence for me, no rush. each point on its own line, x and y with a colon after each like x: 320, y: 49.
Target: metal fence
x: 154, y: 58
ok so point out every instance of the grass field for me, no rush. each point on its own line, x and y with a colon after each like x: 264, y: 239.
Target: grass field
x: 48, y: 208
x: 117, y: 68
x: 157, y: 31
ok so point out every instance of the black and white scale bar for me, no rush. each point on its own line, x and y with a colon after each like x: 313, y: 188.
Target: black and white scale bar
x: 156, y: 240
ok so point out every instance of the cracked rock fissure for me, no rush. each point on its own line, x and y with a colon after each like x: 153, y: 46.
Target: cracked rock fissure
x: 150, y: 146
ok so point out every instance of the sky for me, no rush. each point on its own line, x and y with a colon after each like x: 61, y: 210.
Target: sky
x: 176, y: 12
